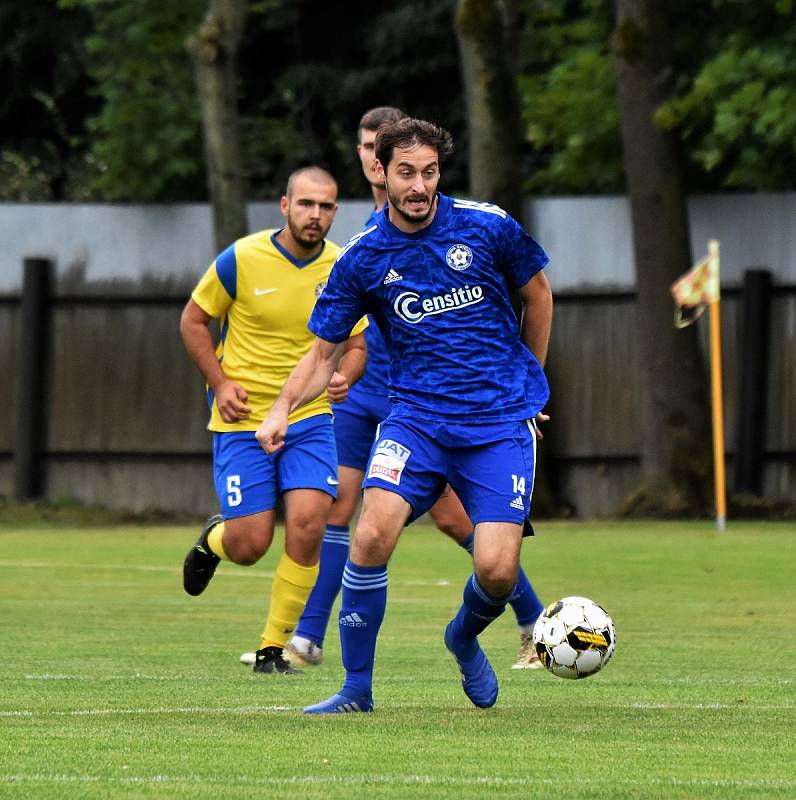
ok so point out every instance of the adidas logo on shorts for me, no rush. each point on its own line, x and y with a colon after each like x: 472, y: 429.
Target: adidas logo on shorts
x: 392, y: 277
x: 517, y: 503
x: 353, y: 621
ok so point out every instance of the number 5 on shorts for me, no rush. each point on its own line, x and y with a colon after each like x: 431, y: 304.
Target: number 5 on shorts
x: 234, y: 495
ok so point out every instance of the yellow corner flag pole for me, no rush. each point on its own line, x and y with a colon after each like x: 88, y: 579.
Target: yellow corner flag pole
x: 717, y: 399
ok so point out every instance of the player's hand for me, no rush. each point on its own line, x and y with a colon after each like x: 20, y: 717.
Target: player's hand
x: 337, y: 389
x: 272, y: 430
x: 231, y: 399
x: 541, y: 417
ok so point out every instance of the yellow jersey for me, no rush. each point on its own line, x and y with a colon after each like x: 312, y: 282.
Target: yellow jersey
x: 263, y: 298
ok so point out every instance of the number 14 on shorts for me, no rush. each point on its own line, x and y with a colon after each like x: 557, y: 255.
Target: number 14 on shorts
x: 519, y: 484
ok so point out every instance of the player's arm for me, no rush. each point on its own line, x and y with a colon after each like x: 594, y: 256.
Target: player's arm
x: 537, y: 316
x: 231, y: 397
x: 537, y: 320
x: 309, y: 378
x: 352, y: 365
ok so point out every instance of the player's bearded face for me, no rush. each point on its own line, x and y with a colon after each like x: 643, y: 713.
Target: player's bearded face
x: 306, y: 233
x: 411, y: 182
x: 309, y: 213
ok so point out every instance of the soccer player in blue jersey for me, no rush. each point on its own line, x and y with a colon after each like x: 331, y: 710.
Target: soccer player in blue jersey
x: 355, y: 423
x: 262, y: 289
x: 465, y: 387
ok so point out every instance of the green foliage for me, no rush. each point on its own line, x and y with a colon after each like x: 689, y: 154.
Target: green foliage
x: 567, y: 90
x: 737, y: 116
x: 570, y: 117
x: 146, y: 136
x: 116, y: 684
x: 97, y: 97
x: 325, y: 68
x: 734, y: 105
x: 44, y: 101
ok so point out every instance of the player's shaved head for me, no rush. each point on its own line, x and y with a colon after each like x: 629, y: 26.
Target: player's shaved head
x: 314, y: 174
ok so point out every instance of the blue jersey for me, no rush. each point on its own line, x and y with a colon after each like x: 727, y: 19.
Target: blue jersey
x: 376, y: 379
x: 441, y: 300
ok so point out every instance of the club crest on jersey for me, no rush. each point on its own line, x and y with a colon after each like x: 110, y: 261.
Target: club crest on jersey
x: 388, y: 462
x: 319, y: 289
x: 459, y: 257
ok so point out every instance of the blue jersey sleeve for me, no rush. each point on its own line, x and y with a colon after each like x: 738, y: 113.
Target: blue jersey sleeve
x: 520, y: 255
x: 341, y: 304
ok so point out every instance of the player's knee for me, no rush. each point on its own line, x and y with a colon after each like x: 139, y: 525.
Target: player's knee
x: 308, y: 527
x: 247, y: 548
x: 368, y: 546
x: 248, y: 552
x: 498, y: 577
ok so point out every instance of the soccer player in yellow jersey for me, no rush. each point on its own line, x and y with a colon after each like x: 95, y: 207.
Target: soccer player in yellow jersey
x: 262, y: 289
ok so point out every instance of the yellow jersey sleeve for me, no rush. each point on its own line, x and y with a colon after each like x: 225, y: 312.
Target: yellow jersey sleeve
x: 210, y: 294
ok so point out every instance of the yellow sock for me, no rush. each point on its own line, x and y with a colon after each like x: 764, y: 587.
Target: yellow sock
x: 214, y: 541
x: 289, y: 592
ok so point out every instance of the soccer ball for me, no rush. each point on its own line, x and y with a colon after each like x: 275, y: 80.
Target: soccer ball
x: 574, y: 637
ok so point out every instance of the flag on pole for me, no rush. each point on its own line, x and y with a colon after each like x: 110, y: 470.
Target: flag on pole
x: 695, y: 290
x: 692, y: 293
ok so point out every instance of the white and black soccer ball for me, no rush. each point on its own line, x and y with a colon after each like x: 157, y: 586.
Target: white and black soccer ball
x: 574, y: 637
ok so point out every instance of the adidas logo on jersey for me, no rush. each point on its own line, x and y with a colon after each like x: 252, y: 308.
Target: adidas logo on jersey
x: 517, y: 503
x: 392, y: 277
x: 353, y: 620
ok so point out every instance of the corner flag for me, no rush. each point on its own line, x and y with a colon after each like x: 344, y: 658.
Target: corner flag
x: 692, y: 292
x: 695, y: 290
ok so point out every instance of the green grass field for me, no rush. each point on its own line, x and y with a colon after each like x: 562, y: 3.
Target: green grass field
x: 117, y: 684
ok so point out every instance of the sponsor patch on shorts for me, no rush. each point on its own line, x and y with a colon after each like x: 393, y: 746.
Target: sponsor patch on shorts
x: 388, y: 461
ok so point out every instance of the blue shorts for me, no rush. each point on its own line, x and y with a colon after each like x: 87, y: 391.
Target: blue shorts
x: 249, y: 480
x: 490, y: 467
x: 356, y: 420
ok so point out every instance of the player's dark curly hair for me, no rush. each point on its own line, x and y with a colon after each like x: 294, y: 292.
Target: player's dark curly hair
x: 411, y: 132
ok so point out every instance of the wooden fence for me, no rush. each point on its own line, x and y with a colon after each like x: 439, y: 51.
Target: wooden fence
x: 120, y: 418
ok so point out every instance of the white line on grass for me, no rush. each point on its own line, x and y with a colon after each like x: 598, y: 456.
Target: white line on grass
x: 246, y: 573
x: 400, y: 780
x: 231, y: 573
x: 746, y: 683
x: 110, y: 712
x: 47, y: 676
x: 702, y: 706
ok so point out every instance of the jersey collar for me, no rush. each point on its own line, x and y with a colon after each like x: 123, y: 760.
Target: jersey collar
x: 294, y: 261
x: 443, y: 206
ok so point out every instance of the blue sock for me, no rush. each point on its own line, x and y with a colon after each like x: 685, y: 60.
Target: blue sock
x: 524, y: 601
x: 334, y: 552
x: 477, y: 611
x: 361, y: 615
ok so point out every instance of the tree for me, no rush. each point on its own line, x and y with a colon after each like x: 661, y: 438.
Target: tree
x: 214, y: 49
x: 675, y: 442
x: 486, y: 31
x: 732, y: 107
x: 44, y: 101
x: 568, y: 98
x: 736, y: 112
x: 145, y: 135
x: 325, y: 68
